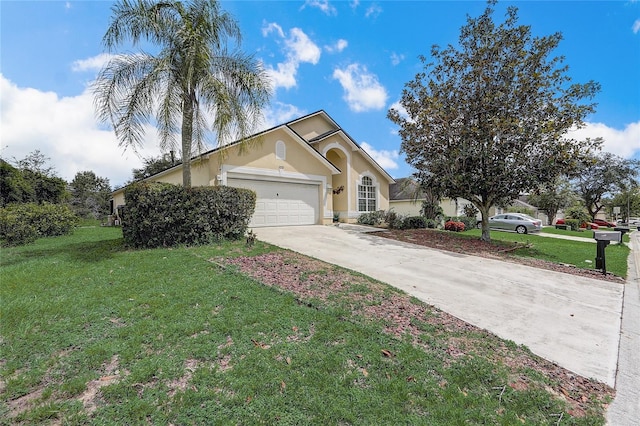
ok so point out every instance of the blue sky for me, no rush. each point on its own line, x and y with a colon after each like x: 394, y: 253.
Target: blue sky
x: 349, y: 58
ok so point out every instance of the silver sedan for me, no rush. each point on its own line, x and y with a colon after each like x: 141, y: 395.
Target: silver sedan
x: 518, y: 222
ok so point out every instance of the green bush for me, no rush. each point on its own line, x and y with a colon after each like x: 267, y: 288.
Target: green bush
x: 165, y: 215
x: 24, y: 223
x: 414, y: 222
x: 432, y: 224
x: 372, y: 218
x: 574, y: 224
x: 394, y: 220
x: 578, y: 212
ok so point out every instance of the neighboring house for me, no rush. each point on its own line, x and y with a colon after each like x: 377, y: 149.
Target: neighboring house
x: 304, y: 172
x: 405, y: 197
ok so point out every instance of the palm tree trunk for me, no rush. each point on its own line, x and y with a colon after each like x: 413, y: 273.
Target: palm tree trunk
x: 187, y: 135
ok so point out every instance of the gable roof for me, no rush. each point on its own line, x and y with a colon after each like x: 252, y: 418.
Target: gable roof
x: 405, y: 189
x: 307, y: 144
x: 339, y: 131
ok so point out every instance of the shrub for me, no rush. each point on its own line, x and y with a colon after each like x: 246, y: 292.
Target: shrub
x: 451, y: 225
x: 164, y: 215
x: 414, y: 222
x: 395, y: 220
x: 25, y: 223
x: 372, y: 218
x: 468, y: 221
x: 574, y: 224
x: 431, y: 224
x: 578, y: 212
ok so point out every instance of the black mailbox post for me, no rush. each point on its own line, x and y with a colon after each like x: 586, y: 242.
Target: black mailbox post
x: 603, y: 238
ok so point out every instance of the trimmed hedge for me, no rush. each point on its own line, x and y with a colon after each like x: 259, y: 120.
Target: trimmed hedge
x: 165, y: 215
x: 25, y: 223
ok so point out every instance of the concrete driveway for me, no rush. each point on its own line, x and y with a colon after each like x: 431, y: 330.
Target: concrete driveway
x: 570, y: 320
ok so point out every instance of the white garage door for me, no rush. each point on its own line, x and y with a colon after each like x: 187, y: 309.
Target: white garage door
x: 281, y: 203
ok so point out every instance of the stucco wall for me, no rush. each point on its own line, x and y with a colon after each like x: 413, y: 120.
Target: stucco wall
x: 313, y: 126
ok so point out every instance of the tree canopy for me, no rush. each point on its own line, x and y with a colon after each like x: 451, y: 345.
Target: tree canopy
x: 604, y: 175
x: 488, y: 120
x: 90, y: 195
x: 31, y: 181
x: 194, y: 83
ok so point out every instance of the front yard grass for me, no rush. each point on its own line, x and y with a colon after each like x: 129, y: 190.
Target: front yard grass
x: 94, y: 333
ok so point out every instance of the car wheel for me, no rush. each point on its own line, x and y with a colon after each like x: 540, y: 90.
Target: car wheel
x: 479, y: 225
x: 521, y: 229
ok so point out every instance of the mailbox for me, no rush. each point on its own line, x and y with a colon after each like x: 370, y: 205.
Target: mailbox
x: 607, y: 236
x: 603, y: 238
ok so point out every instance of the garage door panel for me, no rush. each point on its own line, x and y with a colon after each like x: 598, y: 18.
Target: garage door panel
x: 281, y: 203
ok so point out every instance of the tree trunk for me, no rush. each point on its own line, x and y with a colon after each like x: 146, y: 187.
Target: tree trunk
x: 187, y: 135
x: 486, y: 233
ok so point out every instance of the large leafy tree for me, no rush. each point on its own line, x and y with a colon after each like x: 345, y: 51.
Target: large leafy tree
x: 603, y: 175
x: 194, y: 83
x: 90, y: 195
x: 487, y: 120
x: 553, y: 197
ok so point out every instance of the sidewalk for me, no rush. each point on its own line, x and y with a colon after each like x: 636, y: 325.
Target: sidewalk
x: 625, y: 409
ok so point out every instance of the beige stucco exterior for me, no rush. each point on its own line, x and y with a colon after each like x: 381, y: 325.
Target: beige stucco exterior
x: 312, y: 150
x: 450, y: 207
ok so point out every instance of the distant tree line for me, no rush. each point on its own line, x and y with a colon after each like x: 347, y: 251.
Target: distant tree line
x: 31, y: 180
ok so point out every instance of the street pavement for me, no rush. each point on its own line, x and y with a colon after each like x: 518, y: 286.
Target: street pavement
x: 571, y: 320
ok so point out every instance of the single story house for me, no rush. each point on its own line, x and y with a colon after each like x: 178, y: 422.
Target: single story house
x: 306, y: 171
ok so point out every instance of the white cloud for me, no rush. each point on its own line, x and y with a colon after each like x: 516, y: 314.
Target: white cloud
x: 337, y: 47
x: 386, y: 159
x: 268, y: 28
x: 323, y: 5
x: 94, y: 63
x: 66, y: 131
x: 625, y: 142
x: 301, y: 48
x: 362, y: 90
x: 279, y: 113
x: 373, y: 11
x: 396, y: 58
x: 298, y: 48
x: 636, y: 26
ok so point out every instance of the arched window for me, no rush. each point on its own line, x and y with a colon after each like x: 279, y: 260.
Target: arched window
x: 281, y: 151
x: 366, y: 195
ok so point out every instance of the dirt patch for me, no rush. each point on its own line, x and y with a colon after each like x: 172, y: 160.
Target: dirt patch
x: 402, y: 317
x: 111, y: 374
x: 449, y: 241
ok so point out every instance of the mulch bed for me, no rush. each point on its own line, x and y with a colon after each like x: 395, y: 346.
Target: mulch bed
x: 449, y: 241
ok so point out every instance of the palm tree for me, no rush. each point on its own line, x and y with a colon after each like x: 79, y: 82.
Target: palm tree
x: 194, y: 82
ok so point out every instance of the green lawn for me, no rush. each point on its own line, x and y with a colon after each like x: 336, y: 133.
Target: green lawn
x: 93, y: 333
x: 577, y: 253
